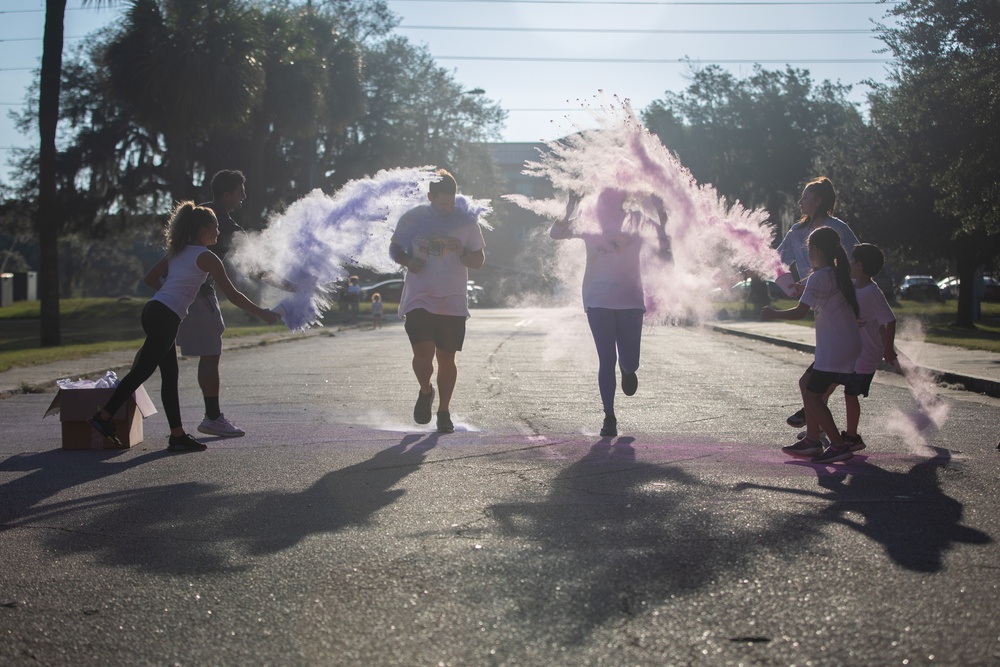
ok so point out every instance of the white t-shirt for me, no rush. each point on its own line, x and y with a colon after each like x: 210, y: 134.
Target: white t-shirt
x: 183, y: 280
x: 838, y: 340
x: 442, y: 285
x: 875, y: 313
x: 794, y: 247
x: 613, y: 277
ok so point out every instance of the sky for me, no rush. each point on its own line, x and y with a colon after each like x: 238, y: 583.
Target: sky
x: 540, y: 59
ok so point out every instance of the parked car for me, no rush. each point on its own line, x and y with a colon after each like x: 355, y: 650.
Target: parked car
x: 949, y: 288
x: 919, y: 288
x: 475, y: 293
x: 742, y: 288
x: 991, y: 289
x: 390, y: 290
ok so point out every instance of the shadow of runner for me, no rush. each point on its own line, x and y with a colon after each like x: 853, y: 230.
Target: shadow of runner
x: 635, y: 534
x: 341, y: 498
x: 56, y: 471
x: 908, y: 513
x: 191, y: 528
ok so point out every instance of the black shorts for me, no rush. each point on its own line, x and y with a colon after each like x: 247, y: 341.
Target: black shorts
x: 820, y: 381
x: 857, y: 384
x: 447, y: 331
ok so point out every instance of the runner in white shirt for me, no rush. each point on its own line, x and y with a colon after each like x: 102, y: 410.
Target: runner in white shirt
x: 437, y: 243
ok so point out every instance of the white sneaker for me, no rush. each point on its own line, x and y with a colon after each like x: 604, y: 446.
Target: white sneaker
x: 221, y: 427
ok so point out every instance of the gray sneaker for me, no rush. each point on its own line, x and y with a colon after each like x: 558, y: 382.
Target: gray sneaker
x: 853, y: 441
x: 797, y: 419
x: 804, y: 448
x: 822, y: 436
x: 833, y: 453
x: 220, y: 426
x: 423, y: 407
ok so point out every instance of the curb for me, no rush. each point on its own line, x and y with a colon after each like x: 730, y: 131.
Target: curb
x: 971, y: 383
x: 238, y: 343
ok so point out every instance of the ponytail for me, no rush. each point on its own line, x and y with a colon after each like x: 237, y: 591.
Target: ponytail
x: 842, y: 269
x: 185, y: 223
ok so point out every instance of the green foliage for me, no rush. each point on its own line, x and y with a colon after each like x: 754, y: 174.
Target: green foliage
x: 928, y: 176
x: 150, y: 108
x: 756, y: 139
x: 92, y: 326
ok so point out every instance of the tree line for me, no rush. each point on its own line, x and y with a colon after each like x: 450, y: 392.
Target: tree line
x: 302, y: 95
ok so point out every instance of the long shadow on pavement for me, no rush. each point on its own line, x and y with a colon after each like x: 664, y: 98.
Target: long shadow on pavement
x: 635, y: 533
x: 191, y: 528
x: 53, y: 472
x: 907, y: 513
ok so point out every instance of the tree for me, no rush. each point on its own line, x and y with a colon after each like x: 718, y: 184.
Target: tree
x: 312, y: 90
x: 756, y: 139
x: 185, y: 69
x: 48, y: 212
x: 936, y: 127
x: 278, y: 92
x: 418, y: 114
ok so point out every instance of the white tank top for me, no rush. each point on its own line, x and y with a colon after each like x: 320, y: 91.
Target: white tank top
x: 183, y: 281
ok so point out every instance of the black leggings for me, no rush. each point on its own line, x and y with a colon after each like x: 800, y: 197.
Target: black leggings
x: 159, y: 350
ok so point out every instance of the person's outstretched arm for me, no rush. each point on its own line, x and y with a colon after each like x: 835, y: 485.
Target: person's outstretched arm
x: 560, y: 229
x: 768, y: 313
x: 209, y: 261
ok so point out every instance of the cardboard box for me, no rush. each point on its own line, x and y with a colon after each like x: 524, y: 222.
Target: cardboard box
x: 76, y: 406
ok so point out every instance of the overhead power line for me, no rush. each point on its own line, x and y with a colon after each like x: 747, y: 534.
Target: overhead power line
x: 676, y: 61
x: 623, y: 31
x: 661, y: 3
x: 640, y: 31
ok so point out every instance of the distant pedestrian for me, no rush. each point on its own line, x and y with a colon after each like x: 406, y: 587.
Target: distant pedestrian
x: 829, y: 292
x: 437, y: 243
x: 817, y: 203
x: 376, y: 311
x: 176, y: 278
x: 354, y: 297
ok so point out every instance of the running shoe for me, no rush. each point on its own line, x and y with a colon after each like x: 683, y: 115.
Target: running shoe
x: 184, y: 443
x: 444, y: 422
x: 630, y: 383
x: 804, y: 448
x: 105, y: 427
x: 797, y: 420
x: 853, y: 441
x: 822, y: 436
x: 422, y: 409
x: 834, y: 453
x: 610, y: 428
x: 220, y: 426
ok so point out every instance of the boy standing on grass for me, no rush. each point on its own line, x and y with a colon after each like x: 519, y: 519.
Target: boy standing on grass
x: 878, y: 335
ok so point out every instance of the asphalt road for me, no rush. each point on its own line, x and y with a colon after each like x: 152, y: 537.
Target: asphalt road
x: 339, y: 533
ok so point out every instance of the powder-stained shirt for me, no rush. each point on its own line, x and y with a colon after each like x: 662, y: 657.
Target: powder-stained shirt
x: 875, y: 314
x: 794, y: 248
x: 838, y: 339
x: 442, y: 285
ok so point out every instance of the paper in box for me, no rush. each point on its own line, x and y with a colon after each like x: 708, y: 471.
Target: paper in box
x: 76, y: 406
